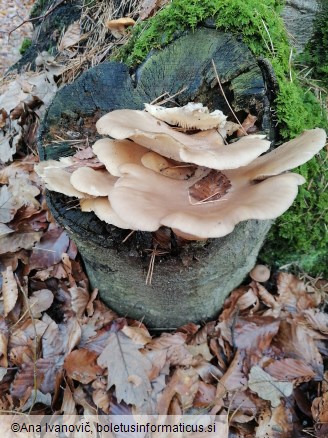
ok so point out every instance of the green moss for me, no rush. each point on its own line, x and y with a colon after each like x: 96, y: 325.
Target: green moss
x: 300, y: 232
x: 27, y: 42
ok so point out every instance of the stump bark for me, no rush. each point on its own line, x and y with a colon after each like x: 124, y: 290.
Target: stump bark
x: 190, y: 282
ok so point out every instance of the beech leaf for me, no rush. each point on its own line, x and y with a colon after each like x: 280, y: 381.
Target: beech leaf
x: 267, y: 387
x: 127, y: 369
x: 71, y: 37
x: 9, y: 290
x: 40, y: 301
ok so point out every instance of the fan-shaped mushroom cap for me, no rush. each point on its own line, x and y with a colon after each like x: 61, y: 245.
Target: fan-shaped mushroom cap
x: 103, y: 210
x: 156, y: 200
x: 206, y: 150
x: 289, y: 155
x: 93, y: 182
x: 56, y: 178
x: 114, y: 153
x: 190, y: 116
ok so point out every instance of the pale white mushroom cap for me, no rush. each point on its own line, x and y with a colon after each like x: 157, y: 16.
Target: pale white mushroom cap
x: 206, y: 150
x: 103, y: 210
x: 156, y: 200
x: 190, y: 116
x: 289, y: 155
x: 93, y: 182
x: 114, y: 153
x: 56, y: 178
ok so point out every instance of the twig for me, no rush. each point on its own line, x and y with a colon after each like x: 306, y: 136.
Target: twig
x: 41, y: 17
x: 267, y: 31
x: 290, y: 65
x: 225, y: 97
x: 128, y: 236
x: 161, y: 102
x: 154, y: 252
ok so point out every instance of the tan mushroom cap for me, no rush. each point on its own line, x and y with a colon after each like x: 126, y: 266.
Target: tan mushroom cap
x: 260, y: 273
x: 103, y: 210
x: 114, y: 153
x: 190, y: 116
x: 93, y: 182
x: 56, y: 178
x: 207, y: 150
x: 156, y: 200
x: 289, y: 155
x: 118, y: 27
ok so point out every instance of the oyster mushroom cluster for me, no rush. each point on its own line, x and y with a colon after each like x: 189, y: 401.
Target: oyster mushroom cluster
x: 174, y: 167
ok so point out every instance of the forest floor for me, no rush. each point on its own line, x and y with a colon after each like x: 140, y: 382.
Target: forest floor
x: 12, y: 14
x: 261, y: 365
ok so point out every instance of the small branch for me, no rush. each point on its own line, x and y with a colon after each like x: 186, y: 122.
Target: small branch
x: 41, y: 17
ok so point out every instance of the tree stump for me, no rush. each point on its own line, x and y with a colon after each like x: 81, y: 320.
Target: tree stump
x: 190, y: 282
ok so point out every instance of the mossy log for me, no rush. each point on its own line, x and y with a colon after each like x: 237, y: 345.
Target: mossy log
x: 191, y: 282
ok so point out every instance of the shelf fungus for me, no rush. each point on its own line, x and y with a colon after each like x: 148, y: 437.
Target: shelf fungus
x: 181, y: 168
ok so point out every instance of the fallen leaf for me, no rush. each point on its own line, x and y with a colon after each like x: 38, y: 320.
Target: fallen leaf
x: 234, y: 378
x: 275, y: 423
x: 149, y: 7
x: 296, y: 341
x: 317, y: 320
x: 290, y: 369
x: 124, y: 360
x: 255, y: 332
x: 15, y: 241
x: 294, y: 295
x: 177, y: 353
x: 138, y: 335
x: 267, y: 387
x: 183, y: 382
x: 80, y: 299
x: 3, y: 372
x: 205, y: 395
x: 9, y: 290
x: 49, y: 251
x: 81, y: 365
x: 81, y: 399
x: 201, y: 349
x: 23, y: 191
x: 4, y: 332
x: 247, y: 126
x: 40, y: 301
x: 37, y: 397
x: 68, y: 404
x: 4, y: 230
x: 320, y: 408
x: 208, y: 372
x: 8, y: 205
x: 71, y: 37
x: 210, y: 188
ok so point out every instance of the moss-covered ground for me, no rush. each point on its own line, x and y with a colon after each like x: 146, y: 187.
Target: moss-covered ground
x: 300, y: 235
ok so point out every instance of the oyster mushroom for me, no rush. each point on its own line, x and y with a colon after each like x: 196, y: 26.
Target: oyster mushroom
x: 156, y: 200
x: 204, y: 149
x: 190, y: 116
x: 103, y: 210
x: 56, y: 178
